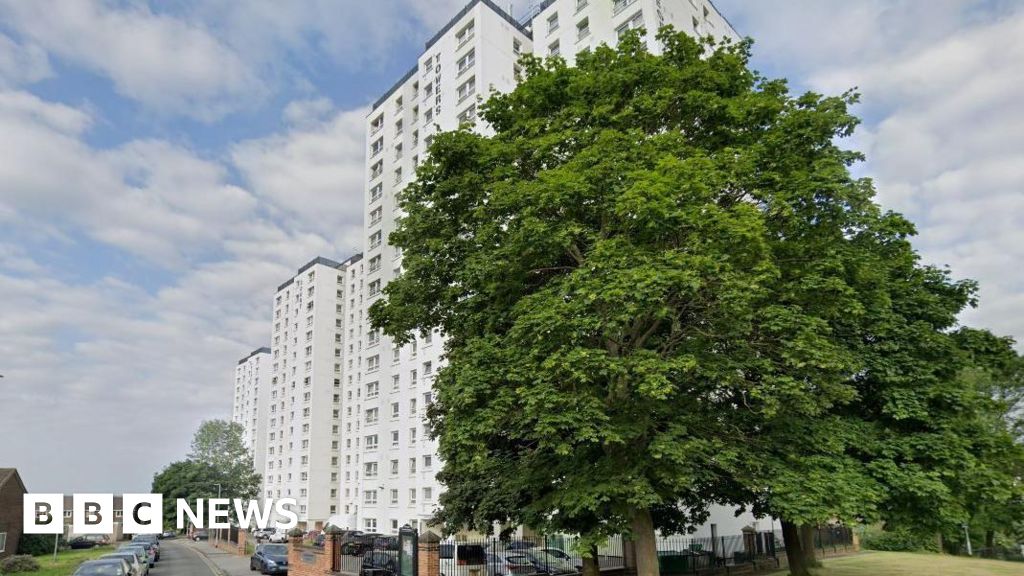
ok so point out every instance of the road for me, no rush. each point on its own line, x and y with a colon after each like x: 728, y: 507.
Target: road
x: 178, y: 558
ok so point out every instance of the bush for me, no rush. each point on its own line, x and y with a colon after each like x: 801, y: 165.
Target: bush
x: 19, y: 563
x: 37, y: 544
x: 900, y: 540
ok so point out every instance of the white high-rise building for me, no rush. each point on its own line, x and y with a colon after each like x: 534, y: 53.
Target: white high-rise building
x: 389, y: 461
x: 314, y: 332
x: 251, y: 401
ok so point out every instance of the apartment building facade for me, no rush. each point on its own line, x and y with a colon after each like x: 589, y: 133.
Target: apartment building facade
x: 314, y: 324
x: 389, y: 462
x: 251, y: 402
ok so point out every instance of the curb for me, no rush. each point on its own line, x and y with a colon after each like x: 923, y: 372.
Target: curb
x: 206, y: 560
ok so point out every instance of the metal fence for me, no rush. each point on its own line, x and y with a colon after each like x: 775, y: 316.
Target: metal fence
x: 558, y: 555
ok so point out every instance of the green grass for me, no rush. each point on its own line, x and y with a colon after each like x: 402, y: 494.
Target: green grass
x: 67, y: 561
x: 911, y: 564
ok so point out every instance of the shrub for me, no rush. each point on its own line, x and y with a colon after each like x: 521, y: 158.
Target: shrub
x: 19, y: 563
x: 900, y: 540
x: 37, y: 544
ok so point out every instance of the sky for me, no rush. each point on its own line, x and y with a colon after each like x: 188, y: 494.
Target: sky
x: 165, y: 165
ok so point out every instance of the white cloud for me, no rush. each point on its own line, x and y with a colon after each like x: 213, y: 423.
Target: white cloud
x: 21, y: 64
x: 940, y: 84
x: 313, y: 173
x: 166, y: 63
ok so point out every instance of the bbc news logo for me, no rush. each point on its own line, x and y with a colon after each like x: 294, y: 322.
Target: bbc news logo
x: 143, y: 513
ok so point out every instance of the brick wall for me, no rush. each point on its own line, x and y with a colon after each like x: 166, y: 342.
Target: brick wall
x: 310, y: 560
x: 11, y: 504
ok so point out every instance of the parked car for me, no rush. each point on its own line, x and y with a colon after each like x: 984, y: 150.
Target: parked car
x: 152, y: 540
x: 379, y: 563
x: 81, y: 543
x: 270, y: 559
x: 200, y: 535
x: 278, y: 536
x: 135, y: 568
x: 151, y: 550
x: 109, y: 567
x: 565, y: 556
x: 261, y: 534
x: 140, y: 555
x: 168, y: 534
x: 146, y: 557
x: 359, y: 543
x: 520, y: 545
x: 544, y: 563
x: 508, y: 564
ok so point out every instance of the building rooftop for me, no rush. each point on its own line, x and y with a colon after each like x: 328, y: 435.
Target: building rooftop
x: 261, y: 350
x: 324, y: 262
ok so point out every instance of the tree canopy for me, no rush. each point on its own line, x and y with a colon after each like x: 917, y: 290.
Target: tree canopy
x: 661, y: 288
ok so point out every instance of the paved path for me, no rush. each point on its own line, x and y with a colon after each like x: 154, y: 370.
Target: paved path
x: 178, y: 558
x: 228, y: 563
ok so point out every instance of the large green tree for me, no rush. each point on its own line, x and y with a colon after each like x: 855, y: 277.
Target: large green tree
x: 218, y: 465
x: 662, y: 288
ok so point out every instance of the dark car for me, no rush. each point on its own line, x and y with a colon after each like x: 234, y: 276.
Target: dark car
x: 201, y: 535
x: 379, y: 563
x: 111, y: 567
x: 270, y: 559
x: 81, y: 543
x: 151, y: 550
x: 358, y: 543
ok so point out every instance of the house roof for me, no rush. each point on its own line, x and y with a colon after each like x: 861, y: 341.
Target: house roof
x: 11, y: 474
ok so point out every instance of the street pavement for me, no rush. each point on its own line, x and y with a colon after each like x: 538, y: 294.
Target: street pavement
x: 179, y: 558
x: 228, y: 563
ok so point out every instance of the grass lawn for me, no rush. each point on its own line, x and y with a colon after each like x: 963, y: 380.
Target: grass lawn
x: 67, y: 561
x: 909, y: 564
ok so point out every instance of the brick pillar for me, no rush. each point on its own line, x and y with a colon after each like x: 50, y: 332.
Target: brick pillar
x: 242, y: 537
x: 856, y: 540
x: 428, y: 562
x: 294, y: 543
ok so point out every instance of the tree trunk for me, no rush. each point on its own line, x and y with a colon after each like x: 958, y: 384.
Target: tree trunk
x: 646, y: 548
x: 807, y: 545
x: 990, y: 539
x: 590, y: 564
x: 794, y: 552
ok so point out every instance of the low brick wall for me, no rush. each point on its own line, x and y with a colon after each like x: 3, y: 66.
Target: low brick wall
x: 310, y: 560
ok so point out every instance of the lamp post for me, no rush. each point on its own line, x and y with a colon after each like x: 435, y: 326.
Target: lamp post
x: 967, y: 534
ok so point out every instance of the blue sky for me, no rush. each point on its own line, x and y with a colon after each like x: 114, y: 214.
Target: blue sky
x: 164, y: 165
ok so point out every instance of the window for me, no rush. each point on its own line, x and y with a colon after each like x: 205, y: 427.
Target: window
x: 467, y: 61
x: 394, y: 438
x: 377, y: 169
x: 554, y: 49
x: 370, y: 524
x: 398, y: 104
x: 428, y: 494
x: 377, y: 147
x: 369, y: 496
x: 583, y: 29
x: 374, y: 288
x: 376, y: 124
x: 428, y: 368
x: 375, y: 217
x: 373, y: 363
x: 517, y: 46
x: 370, y: 470
x: 412, y: 439
x: 371, y: 442
x: 467, y: 89
x: 398, y: 151
x: 398, y: 128
x: 635, y: 21
x: 395, y: 410
x: 428, y: 462
x: 412, y: 465
x: 581, y: 4
x: 3, y: 541
x: 395, y: 382
x: 372, y: 389
x: 371, y: 416
x: 394, y: 467
x: 412, y: 495
x: 552, y: 23
x: 465, y: 34
x: 375, y: 239
x: 620, y: 5
x: 468, y: 115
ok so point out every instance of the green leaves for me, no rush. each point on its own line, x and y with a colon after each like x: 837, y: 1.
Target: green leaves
x: 661, y: 288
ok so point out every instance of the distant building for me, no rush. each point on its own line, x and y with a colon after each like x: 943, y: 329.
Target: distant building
x: 12, y: 492
x: 311, y: 348
x: 251, y: 402
x: 116, y: 534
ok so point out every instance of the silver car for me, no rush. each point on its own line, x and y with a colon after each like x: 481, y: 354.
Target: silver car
x: 134, y: 567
